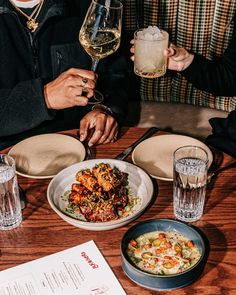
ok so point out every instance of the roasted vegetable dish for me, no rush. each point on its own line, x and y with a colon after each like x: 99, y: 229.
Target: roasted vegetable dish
x: 163, y: 253
x: 100, y: 194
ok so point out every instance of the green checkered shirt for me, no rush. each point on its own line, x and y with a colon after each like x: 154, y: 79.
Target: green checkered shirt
x: 202, y: 26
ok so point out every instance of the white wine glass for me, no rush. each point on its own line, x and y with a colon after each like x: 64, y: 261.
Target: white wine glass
x: 100, y: 33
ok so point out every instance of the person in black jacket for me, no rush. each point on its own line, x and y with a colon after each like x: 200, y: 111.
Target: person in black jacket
x: 217, y: 76
x: 44, y: 70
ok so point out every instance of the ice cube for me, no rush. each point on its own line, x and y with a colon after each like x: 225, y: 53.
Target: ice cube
x: 157, y: 36
x: 145, y: 31
x: 156, y: 30
x: 140, y: 35
x: 151, y: 30
x: 148, y: 36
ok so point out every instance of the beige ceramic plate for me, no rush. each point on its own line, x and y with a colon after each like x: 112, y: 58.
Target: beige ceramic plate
x: 140, y: 186
x: 43, y: 156
x: 155, y: 154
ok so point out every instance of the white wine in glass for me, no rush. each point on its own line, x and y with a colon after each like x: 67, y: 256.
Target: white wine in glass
x: 100, y: 33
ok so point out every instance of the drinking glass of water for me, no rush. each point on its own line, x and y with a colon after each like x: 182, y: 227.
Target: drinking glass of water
x: 10, y: 207
x: 189, y: 182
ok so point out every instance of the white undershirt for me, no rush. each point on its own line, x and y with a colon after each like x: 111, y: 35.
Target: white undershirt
x: 26, y: 4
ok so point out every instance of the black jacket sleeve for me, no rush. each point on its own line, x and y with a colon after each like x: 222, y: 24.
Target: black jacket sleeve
x: 217, y: 76
x: 23, y: 107
x: 113, y: 83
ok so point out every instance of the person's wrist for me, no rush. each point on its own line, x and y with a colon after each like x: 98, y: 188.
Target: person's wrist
x: 102, y: 108
x: 45, y: 92
x: 188, y: 61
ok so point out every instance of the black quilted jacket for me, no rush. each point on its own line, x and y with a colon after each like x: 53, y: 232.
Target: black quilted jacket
x: 28, y: 61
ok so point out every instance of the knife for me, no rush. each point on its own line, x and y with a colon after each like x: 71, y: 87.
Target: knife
x: 127, y: 151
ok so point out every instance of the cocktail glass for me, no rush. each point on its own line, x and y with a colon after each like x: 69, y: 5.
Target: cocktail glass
x: 149, y: 59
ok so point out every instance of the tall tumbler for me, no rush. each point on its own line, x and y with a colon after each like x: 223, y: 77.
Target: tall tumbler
x: 189, y: 182
x: 10, y: 207
x: 149, y: 59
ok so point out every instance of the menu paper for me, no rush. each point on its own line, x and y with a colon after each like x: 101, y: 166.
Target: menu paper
x: 81, y: 270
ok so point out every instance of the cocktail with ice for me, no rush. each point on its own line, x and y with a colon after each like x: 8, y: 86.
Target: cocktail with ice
x: 149, y: 59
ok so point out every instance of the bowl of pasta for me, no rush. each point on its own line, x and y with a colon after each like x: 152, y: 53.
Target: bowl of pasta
x: 163, y: 254
x: 100, y: 194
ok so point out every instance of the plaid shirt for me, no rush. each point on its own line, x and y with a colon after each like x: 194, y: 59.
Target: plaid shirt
x: 201, y: 26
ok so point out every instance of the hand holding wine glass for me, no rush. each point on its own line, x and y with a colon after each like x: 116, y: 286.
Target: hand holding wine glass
x: 100, y: 33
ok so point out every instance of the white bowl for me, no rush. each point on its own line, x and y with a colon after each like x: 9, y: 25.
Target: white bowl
x: 140, y: 185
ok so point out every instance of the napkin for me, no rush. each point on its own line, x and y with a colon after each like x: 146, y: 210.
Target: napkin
x: 223, y: 135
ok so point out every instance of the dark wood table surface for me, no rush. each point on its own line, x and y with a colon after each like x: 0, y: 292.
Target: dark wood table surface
x: 43, y: 232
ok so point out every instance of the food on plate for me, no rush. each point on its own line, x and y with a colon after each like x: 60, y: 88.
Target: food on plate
x: 163, y: 253
x: 86, y: 178
x: 101, y: 194
x: 108, y: 177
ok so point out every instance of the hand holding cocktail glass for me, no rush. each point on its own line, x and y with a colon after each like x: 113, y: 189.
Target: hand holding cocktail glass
x: 149, y: 46
x: 178, y: 58
x: 152, y: 56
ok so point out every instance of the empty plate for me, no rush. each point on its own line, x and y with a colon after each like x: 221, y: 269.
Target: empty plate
x: 155, y: 154
x: 43, y: 156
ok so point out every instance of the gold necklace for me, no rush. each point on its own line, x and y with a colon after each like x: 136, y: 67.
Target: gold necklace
x: 32, y: 24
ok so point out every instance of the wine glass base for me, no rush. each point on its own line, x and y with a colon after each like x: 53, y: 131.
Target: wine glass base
x: 96, y: 98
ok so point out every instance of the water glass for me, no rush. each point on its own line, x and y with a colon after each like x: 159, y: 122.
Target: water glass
x: 149, y: 59
x: 10, y: 206
x: 189, y: 182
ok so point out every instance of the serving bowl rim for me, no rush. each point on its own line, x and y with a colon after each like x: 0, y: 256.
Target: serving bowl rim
x: 106, y: 225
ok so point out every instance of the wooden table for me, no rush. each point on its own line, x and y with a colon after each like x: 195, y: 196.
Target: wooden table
x: 43, y: 232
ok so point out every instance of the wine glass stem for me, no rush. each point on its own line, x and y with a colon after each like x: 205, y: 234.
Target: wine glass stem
x: 94, y: 65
